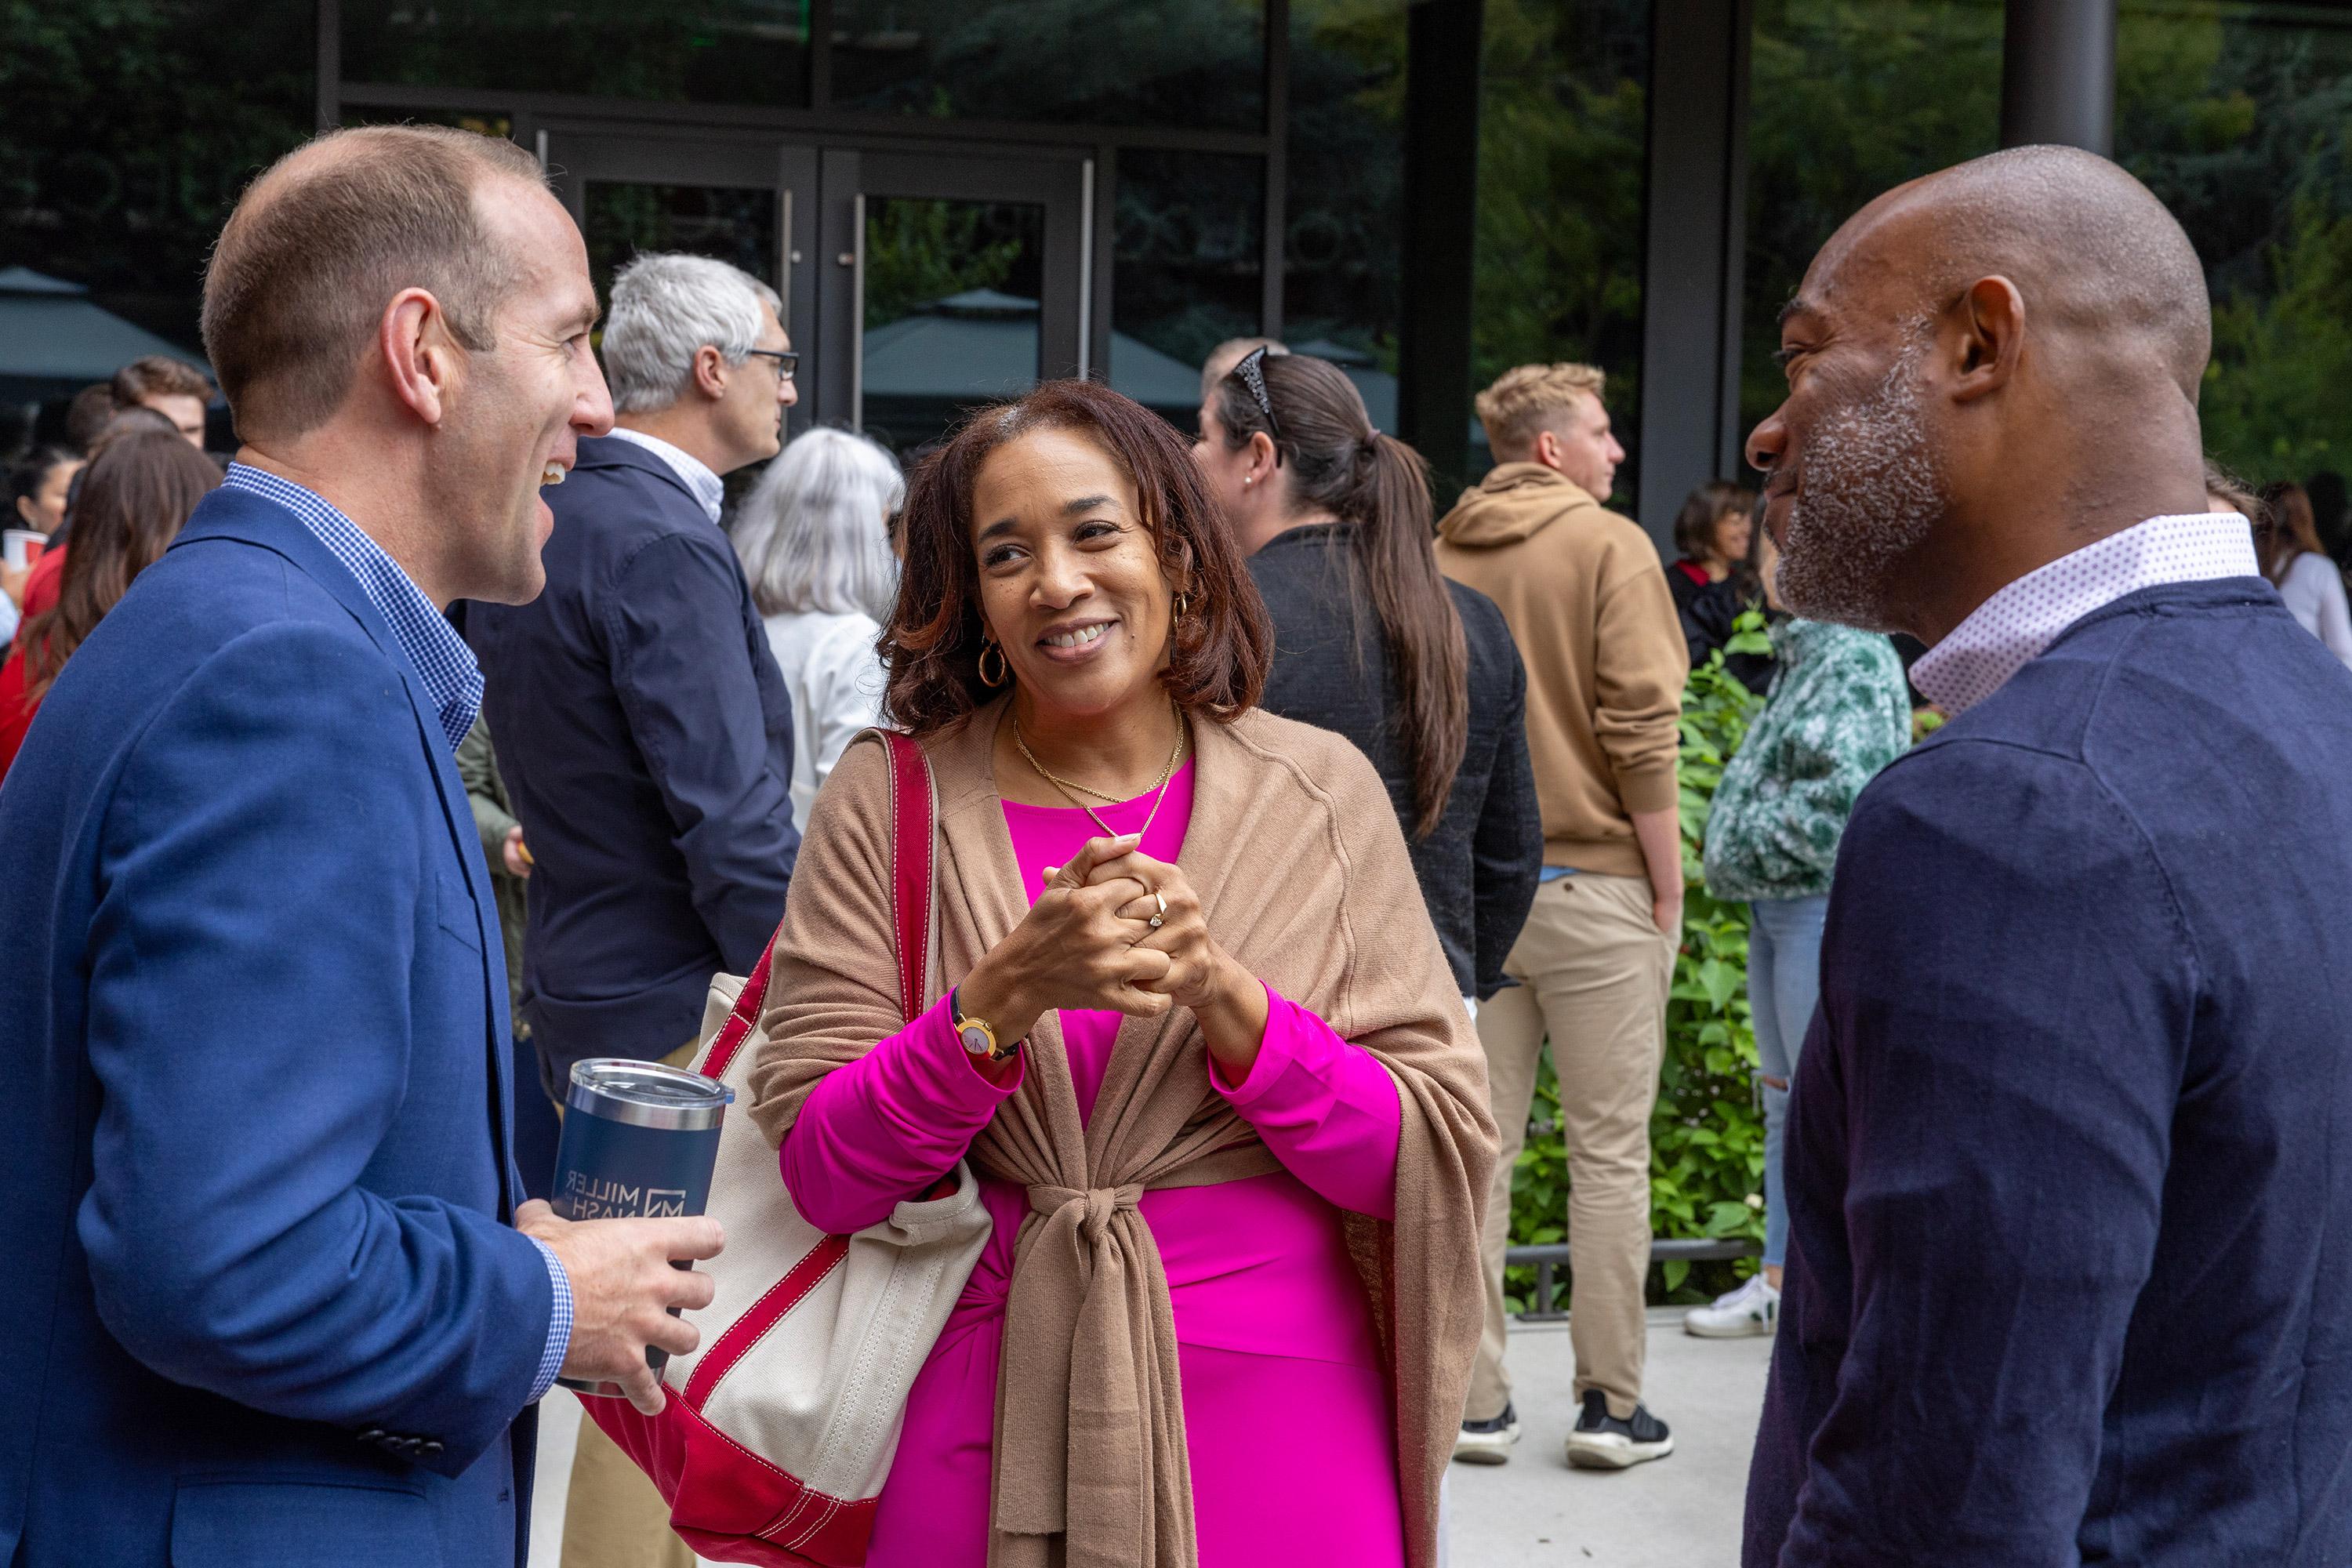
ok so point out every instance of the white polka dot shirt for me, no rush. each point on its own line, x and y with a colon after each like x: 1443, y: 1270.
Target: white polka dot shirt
x: 2013, y: 628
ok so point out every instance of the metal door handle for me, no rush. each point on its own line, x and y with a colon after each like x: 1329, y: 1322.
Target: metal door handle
x: 856, y: 260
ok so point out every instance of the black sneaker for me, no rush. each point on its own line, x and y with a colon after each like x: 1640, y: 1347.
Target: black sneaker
x: 1488, y: 1442
x: 1604, y: 1441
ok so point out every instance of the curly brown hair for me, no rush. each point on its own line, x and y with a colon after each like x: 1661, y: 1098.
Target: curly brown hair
x: 1218, y: 651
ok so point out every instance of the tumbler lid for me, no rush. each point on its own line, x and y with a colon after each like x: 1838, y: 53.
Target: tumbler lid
x: 646, y: 1094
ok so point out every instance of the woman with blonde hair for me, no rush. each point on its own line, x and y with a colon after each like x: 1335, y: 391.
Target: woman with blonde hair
x: 1193, y: 1030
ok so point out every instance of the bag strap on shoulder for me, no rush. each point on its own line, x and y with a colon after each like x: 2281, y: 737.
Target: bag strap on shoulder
x: 914, y: 837
x: 914, y: 848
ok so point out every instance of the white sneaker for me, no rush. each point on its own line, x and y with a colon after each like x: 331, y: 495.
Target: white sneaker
x: 1488, y: 1442
x: 1753, y: 1309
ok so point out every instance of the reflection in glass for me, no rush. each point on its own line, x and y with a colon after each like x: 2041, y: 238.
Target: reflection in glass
x: 1847, y: 101
x: 1563, y: 138
x: 127, y: 134
x: 1343, y: 218
x: 951, y: 313
x: 1187, y: 258
x: 708, y: 51
x: 2240, y: 118
x: 1192, y: 63
x: 734, y: 224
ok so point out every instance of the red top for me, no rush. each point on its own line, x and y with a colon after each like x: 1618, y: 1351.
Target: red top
x: 41, y: 589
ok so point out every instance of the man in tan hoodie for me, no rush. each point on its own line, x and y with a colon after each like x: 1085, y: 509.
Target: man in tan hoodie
x: 1588, y: 605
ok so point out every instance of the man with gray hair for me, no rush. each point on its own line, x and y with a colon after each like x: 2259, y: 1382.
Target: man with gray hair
x: 644, y: 732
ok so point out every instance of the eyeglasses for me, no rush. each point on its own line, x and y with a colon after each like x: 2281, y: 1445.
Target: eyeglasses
x: 1252, y: 370
x: 787, y: 361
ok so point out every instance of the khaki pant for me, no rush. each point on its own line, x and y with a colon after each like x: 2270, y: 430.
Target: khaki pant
x: 613, y: 1517
x: 1593, y: 972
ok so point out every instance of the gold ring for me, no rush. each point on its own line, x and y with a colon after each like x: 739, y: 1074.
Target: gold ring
x: 1158, y: 899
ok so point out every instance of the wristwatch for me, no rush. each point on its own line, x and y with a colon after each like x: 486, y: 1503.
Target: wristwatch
x: 979, y: 1038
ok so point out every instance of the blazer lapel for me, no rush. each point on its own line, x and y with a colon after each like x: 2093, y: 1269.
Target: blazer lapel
x: 254, y: 520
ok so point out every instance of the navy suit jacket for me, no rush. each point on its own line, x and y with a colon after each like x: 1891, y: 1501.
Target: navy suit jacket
x: 2070, y: 1146
x: 646, y: 737
x: 254, y: 1141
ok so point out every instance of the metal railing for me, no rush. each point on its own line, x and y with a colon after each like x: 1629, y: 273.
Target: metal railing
x: 1663, y: 1249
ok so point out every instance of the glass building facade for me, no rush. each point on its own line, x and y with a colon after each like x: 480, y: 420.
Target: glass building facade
x: 957, y: 197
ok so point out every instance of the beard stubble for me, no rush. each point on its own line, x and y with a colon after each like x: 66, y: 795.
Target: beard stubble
x: 1869, y: 493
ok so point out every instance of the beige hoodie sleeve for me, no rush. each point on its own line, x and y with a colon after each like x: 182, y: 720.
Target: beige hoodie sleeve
x: 1639, y: 666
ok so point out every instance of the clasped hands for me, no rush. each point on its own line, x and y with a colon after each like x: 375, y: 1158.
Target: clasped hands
x: 1088, y: 943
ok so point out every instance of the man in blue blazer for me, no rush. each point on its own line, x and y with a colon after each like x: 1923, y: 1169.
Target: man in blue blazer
x: 269, y: 1299
x: 2071, y: 1208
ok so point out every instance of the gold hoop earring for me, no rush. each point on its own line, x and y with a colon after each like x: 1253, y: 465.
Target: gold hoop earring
x: 1003, y: 669
x: 1184, y: 606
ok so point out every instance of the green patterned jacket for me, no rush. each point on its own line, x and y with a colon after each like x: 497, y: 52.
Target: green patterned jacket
x: 1837, y: 711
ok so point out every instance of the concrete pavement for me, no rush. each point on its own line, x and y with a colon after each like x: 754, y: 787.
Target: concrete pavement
x: 1682, y: 1511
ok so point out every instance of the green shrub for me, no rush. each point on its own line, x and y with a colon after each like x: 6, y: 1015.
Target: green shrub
x: 1707, y: 1138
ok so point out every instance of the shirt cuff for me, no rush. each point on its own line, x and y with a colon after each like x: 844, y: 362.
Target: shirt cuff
x: 559, y: 1325
x: 1651, y: 786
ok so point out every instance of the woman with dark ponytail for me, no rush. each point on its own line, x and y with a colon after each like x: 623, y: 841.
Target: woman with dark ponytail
x: 1372, y: 642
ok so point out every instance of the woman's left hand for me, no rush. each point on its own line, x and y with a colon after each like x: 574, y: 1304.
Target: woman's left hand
x: 1228, y: 1001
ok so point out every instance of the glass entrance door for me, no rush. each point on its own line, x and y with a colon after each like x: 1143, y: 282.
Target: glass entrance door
x: 917, y: 285
x: 746, y: 199
x: 968, y: 284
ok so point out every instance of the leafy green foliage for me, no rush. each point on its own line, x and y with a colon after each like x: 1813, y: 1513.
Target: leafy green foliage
x: 2237, y: 117
x: 1707, y: 1136
x: 127, y: 130
x: 920, y: 252
x: 1563, y: 138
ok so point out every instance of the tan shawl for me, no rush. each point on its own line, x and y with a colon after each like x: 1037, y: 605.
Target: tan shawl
x: 1296, y: 853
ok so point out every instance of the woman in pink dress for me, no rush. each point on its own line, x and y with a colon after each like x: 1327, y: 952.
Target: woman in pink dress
x: 1193, y: 1030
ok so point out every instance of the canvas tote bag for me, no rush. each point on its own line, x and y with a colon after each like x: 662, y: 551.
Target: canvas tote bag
x: 780, y: 1429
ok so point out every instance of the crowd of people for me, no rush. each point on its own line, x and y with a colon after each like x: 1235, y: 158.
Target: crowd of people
x: 456, y: 732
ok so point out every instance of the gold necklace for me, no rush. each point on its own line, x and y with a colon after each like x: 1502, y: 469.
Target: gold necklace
x: 1067, y: 785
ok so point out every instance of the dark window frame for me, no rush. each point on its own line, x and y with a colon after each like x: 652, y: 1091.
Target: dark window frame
x: 821, y: 120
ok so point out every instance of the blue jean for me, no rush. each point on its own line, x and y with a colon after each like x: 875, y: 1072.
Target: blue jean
x: 1784, y: 982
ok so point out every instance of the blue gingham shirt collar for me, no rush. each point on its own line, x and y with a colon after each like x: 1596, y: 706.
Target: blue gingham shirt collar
x: 452, y: 678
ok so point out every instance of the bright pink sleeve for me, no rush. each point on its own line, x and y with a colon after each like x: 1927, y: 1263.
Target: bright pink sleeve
x: 1327, y: 1108
x: 881, y: 1128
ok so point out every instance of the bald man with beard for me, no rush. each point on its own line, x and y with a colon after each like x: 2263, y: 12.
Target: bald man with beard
x: 2070, y: 1149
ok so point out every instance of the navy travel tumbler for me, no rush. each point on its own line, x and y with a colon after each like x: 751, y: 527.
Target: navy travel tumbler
x: 639, y: 1141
